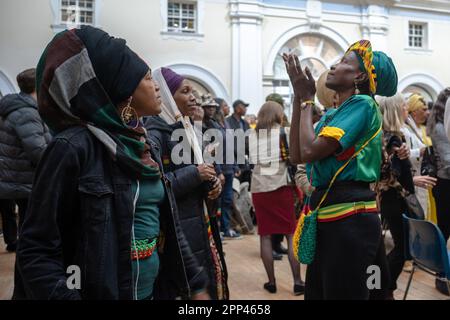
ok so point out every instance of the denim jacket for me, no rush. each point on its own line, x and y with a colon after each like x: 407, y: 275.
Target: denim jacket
x: 81, y: 214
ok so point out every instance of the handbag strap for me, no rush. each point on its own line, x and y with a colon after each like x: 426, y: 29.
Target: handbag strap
x: 345, y: 165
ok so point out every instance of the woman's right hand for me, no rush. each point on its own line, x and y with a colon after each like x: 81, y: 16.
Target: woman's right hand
x: 302, y: 82
x: 206, y: 171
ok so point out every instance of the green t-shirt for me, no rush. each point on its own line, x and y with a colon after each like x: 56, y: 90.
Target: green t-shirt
x: 146, y: 226
x: 352, y: 124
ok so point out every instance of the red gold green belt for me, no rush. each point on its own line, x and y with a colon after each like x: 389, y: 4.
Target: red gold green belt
x: 343, y: 210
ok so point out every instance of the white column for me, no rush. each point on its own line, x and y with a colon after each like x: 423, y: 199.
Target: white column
x: 375, y: 27
x: 314, y: 13
x: 247, y: 83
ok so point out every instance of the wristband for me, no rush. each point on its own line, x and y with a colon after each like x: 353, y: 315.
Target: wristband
x: 307, y: 103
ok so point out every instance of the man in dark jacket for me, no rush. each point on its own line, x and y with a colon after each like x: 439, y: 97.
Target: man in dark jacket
x: 236, y: 122
x: 23, y: 138
x: 224, y: 170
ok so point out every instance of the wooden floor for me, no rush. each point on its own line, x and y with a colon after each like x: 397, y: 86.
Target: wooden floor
x: 247, y: 275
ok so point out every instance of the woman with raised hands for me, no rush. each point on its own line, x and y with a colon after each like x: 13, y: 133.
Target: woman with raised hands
x: 343, y: 157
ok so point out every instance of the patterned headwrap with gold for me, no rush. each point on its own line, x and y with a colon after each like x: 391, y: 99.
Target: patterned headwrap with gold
x: 379, y: 67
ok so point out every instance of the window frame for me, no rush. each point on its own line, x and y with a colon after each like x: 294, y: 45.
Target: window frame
x: 197, y: 35
x: 78, y: 11
x: 181, y: 17
x: 58, y: 25
x: 412, y: 25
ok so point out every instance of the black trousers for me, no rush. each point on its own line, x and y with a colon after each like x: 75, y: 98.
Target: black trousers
x: 441, y: 193
x: 8, y: 221
x: 345, y: 250
x: 277, y: 239
x: 19, y: 290
x: 10, y: 228
x: 392, y: 208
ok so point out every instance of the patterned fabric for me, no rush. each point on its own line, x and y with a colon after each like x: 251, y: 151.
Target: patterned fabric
x: 305, y: 236
x: 379, y: 67
x: 342, y: 210
x: 218, y: 267
x: 71, y: 94
x: 284, y: 146
x: 389, y: 177
x: 364, y: 50
x: 143, y: 249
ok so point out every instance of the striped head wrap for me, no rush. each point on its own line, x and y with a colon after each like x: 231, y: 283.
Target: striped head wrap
x: 379, y: 67
x: 363, y: 48
x: 81, y: 76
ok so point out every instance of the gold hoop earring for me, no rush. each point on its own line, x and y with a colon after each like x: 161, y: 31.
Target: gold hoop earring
x: 129, y: 114
x: 356, y: 88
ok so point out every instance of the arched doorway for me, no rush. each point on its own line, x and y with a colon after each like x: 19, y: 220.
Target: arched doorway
x: 420, y: 89
x: 199, y: 86
x: 425, y: 84
x: 316, y: 51
x: 203, y: 80
x: 6, y: 85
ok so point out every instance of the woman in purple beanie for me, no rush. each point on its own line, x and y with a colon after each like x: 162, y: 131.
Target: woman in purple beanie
x: 192, y: 180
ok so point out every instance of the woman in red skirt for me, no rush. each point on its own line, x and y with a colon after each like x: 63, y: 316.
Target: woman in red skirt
x: 272, y: 191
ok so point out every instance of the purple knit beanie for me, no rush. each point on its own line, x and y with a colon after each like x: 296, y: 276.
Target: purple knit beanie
x: 173, y: 79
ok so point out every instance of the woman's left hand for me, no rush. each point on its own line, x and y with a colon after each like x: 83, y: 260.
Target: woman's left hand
x: 216, y: 190
x: 302, y: 81
x: 424, y: 181
x: 402, y: 152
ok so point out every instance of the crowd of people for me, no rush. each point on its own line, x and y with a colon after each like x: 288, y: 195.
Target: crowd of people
x: 134, y: 177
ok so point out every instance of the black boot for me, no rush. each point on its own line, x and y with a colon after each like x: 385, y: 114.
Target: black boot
x: 441, y: 286
x: 277, y: 256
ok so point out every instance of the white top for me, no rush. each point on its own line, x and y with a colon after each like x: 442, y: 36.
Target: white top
x: 414, y: 143
x: 270, y: 173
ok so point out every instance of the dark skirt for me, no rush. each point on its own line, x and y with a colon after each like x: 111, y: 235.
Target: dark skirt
x: 275, y: 211
x: 348, y: 250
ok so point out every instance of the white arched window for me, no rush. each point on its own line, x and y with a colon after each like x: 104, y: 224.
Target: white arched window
x: 425, y: 84
x: 203, y: 80
x: 199, y: 86
x: 316, y: 51
x: 420, y: 89
x: 6, y: 85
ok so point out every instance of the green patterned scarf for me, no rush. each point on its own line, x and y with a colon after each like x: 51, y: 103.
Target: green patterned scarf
x: 71, y: 94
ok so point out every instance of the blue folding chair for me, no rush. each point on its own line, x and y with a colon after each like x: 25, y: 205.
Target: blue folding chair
x: 427, y: 248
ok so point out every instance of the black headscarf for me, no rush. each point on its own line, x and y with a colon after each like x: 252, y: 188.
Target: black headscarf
x: 117, y: 67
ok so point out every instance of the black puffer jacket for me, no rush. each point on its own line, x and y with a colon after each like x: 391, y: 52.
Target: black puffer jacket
x: 86, y: 221
x: 190, y: 193
x: 23, y: 138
